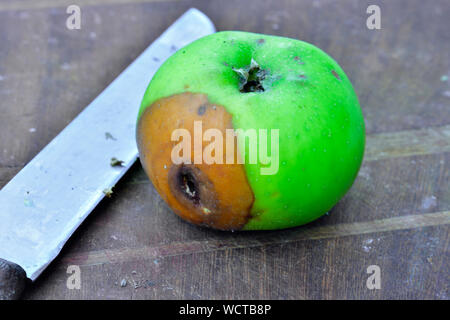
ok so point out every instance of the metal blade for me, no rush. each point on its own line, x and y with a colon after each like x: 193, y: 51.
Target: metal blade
x: 44, y: 203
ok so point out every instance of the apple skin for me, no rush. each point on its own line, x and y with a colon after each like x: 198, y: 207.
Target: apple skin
x: 307, y: 96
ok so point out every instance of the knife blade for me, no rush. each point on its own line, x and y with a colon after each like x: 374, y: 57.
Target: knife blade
x: 49, y: 198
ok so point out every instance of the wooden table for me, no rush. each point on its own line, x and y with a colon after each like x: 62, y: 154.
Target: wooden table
x: 396, y: 215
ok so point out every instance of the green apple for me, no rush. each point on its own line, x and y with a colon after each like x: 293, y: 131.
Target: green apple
x: 239, y: 80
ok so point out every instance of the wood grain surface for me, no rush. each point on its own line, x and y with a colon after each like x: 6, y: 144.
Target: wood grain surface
x: 396, y: 215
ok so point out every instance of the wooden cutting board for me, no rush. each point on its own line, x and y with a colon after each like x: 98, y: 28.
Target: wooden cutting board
x: 396, y: 216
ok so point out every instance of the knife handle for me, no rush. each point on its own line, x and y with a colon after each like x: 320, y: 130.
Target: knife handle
x: 12, y: 280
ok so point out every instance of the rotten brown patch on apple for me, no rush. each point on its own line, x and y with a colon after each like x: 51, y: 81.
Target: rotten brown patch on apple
x: 215, y: 195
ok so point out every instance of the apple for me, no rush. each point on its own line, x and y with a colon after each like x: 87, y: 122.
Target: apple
x: 287, y: 97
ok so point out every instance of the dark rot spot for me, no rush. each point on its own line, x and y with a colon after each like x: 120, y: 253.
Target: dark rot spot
x: 194, y: 190
x: 201, y: 110
x: 186, y: 86
x: 335, y: 74
x: 187, y: 185
x: 261, y: 41
x: 297, y: 58
x: 302, y: 76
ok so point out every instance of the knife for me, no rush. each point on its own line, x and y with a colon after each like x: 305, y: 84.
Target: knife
x: 42, y: 206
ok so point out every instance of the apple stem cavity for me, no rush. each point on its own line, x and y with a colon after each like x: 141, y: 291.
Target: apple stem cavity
x: 251, y: 77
